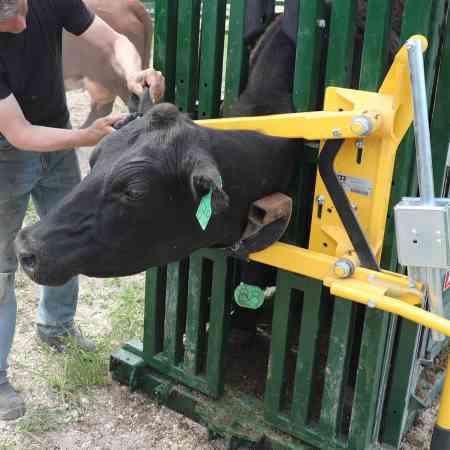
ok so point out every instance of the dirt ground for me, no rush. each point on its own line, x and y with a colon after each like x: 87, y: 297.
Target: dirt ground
x: 105, y: 417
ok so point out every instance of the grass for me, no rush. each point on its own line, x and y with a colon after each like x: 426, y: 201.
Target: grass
x: 44, y: 419
x: 31, y: 215
x: 72, y: 372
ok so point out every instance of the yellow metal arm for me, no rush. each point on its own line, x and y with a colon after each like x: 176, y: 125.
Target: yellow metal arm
x: 311, y: 125
x: 359, y: 293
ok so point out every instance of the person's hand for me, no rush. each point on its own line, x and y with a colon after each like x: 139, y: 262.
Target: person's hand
x: 99, y: 129
x: 149, y: 77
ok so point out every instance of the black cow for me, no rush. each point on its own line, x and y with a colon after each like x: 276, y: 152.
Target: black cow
x: 137, y: 207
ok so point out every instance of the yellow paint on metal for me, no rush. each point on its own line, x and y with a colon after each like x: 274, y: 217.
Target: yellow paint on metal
x: 367, y: 171
x: 360, y: 293
x: 321, y: 267
x: 310, y: 125
x: 443, y: 419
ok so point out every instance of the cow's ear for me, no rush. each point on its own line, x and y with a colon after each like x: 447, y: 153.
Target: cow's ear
x: 204, y: 177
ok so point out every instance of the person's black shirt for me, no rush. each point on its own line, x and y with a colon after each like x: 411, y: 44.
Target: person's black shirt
x: 30, y: 62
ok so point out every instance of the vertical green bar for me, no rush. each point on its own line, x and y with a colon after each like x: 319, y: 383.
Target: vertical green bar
x: 278, y: 347
x: 368, y: 379
x: 440, y: 129
x: 336, y: 368
x: 195, y: 326
x: 415, y: 21
x: 154, y: 311
x: 175, y: 312
x: 398, y: 396
x: 308, y: 351
x: 435, y: 36
x: 218, y: 319
x: 341, y: 43
x: 187, y: 55
x: 164, y: 53
x: 211, y: 57
x: 376, y: 44
x: 236, y: 52
x: 309, y: 47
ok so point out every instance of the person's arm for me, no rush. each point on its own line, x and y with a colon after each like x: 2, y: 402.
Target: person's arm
x: 124, y: 58
x: 25, y: 136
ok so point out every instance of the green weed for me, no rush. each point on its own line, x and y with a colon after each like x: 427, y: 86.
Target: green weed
x: 75, y: 370
x: 44, y: 419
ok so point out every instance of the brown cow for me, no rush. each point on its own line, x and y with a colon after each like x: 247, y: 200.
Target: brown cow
x: 83, y: 65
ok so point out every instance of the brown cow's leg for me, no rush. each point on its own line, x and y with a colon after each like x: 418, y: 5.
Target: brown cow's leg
x: 102, y: 101
x: 96, y: 112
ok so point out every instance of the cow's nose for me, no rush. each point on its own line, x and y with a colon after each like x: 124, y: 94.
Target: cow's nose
x: 28, y: 261
x: 25, y: 254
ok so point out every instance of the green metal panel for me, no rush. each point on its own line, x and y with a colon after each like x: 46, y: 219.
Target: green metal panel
x: 398, y: 394
x: 196, y: 360
x: 376, y: 43
x: 236, y: 53
x: 307, y: 356
x: 219, y: 317
x: 337, y: 368
x: 196, y: 316
x: 341, y: 43
x: 368, y: 379
x: 175, y: 316
x: 211, y: 60
x: 310, y: 40
x: 165, y: 43
x: 178, y: 299
x: 155, y: 283
x: 187, y: 55
x: 415, y: 21
x: 440, y: 129
x: 279, y: 345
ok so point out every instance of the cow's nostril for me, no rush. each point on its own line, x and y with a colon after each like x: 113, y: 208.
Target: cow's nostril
x: 28, y: 262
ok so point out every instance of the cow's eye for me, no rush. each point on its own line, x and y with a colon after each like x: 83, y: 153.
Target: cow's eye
x: 132, y: 194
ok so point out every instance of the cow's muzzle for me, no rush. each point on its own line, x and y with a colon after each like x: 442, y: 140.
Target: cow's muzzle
x: 26, y: 255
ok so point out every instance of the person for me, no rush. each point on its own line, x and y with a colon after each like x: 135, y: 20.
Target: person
x: 37, y: 157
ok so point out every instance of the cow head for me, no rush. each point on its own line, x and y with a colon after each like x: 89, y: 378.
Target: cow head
x: 137, y: 207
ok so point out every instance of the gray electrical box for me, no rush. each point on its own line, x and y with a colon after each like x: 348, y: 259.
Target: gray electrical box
x: 423, y: 232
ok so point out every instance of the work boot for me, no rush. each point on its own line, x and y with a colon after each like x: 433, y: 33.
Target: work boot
x: 60, y: 343
x: 12, y: 405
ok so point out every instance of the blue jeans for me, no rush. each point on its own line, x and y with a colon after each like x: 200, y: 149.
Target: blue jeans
x: 46, y: 178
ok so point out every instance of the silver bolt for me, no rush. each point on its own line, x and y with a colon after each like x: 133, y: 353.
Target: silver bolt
x: 372, y: 303
x: 361, y: 126
x: 355, y: 206
x: 320, y: 200
x: 359, y: 144
x: 321, y: 23
x: 336, y: 132
x: 344, y: 268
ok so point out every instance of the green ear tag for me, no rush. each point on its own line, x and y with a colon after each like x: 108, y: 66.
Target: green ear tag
x: 248, y: 296
x: 204, y: 211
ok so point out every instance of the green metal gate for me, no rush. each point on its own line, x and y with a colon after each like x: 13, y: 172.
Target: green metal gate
x: 321, y: 374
